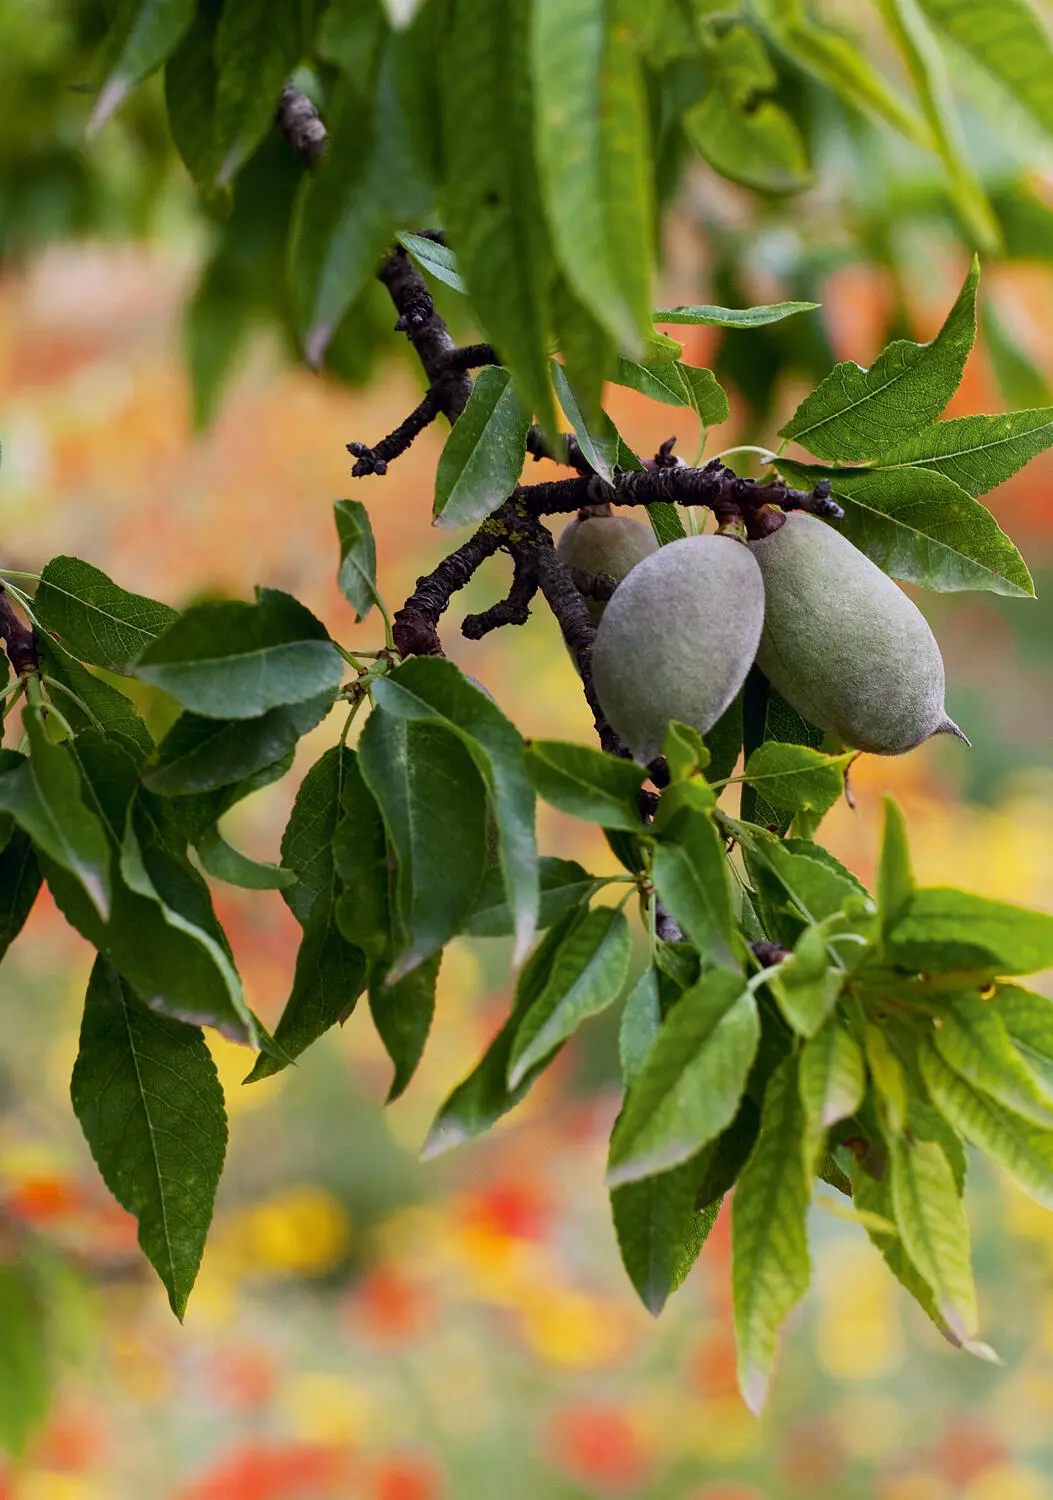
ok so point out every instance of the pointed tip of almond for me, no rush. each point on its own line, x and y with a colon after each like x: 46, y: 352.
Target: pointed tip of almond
x: 948, y: 726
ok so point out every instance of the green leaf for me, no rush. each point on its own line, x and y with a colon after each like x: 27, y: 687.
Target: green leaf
x: 1019, y: 380
x: 588, y: 355
x: 690, y: 874
x: 142, y: 34
x: 599, y: 439
x: 363, y: 861
x: 148, y: 1099
x: 1025, y: 1150
x: 1029, y: 1020
x: 799, y: 882
x: 100, y: 706
x: 330, y: 975
x: 492, y: 197
x: 677, y: 384
x: 225, y: 863
x: 402, y: 1013
x: 19, y: 884
x: 944, y: 929
x: 484, y: 1096
x: 932, y: 1224
x: 895, y: 878
x: 307, y: 843
x: 370, y: 181
x: 587, y: 783
x: 430, y: 688
x: 806, y: 985
x: 592, y: 147
x: 1009, y: 40
x: 770, y: 1265
x: 743, y: 135
x: 181, y: 896
x: 733, y: 317
x: 658, y: 1228
x: 434, y: 806
x: 190, y: 98
x: 641, y: 1020
x: 438, y: 260
x: 587, y: 974
x: 257, y: 46
x: 919, y: 526
x: 97, y: 621
x: 563, y: 883
x: 856, y: 414
x: 889, y: 1078
x: 973, y: 1039
x: 231, y: 660
x: 796, y: 776
x: 685, y: 751
x: 483, y: 457
x: 44, y: 795
x: 979, y: 452
x: 840, y: 63
x: 764, y: 715
x: 832, y: 1081
x: 689, y: 1088
x: 873, y: 1201
x: 25, y: 1358
x: 665, y: 522
x: 357, y: 576
x: 199, y: 755
x: 931, y: 77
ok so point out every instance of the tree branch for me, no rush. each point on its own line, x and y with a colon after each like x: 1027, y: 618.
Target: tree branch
x: 376, y: 460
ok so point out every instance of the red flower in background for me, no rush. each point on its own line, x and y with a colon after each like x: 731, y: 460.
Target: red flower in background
x: 598, y: 1446
x: 407, y: 1477
x: 277, y: 1471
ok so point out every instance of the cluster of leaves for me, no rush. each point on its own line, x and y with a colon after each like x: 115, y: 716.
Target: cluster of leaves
x: 797, y: 1029
x: 546, y: 138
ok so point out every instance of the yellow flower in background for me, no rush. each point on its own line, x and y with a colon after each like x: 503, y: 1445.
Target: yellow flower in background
x: 571, y: 1328
x: 332, y: 1409
x: 47, y: 1485
x: 1008, y: 1482
x: 300, y: 1231
x: 870, y: 1426
x: 860, y: 1334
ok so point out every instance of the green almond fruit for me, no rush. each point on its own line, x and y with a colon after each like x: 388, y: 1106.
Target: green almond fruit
x: 605, y: 545
x: 677, y: 639
x: 844, y: 645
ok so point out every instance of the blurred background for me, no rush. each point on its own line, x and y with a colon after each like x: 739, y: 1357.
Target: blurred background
x: 366, y: 1326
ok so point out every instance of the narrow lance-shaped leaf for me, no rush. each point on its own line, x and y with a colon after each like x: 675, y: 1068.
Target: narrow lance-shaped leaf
x: 806, y: 985
x: 895, y: 878
x: 591, y: 146
x: 44, y: 795
x: 146, y: 1093
x: 770, y: 1264
x: 928, y: 68
x: 87, y: 702
x: 586, y: 976
x: 660, y: 1231
x: 1008, y: 38
x: 1029, y: 1020
x: 434, y: 806
x: 492, y: 199
x: 587, y: 783
x: 1025, y: 1150
x: 934, y: 1229
x: 484, y: 453
x: 919, y: 526
x: 95, y: 619
x: 221, y: 860
x: 641, y: 1021
x: 402, y: 1013
x: 200, y: 754
x: 232, y: 660
x: 357, y: 575
x: 141, y: 36
x: 691, y: 876
x: 562, y: 883
x: 689, y: 1088
x: 428, y: 688
x: 484, y: 1096
x: 832, y: 1079
x: 796, y: 776
x: 855, y: 414
x: 257, y: 46
x: 438, y: 260
x: 947, y: 929
x: 733, y: 317
x: 978, y: 452
x: 307, y: 843
x: 973, y: 1040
